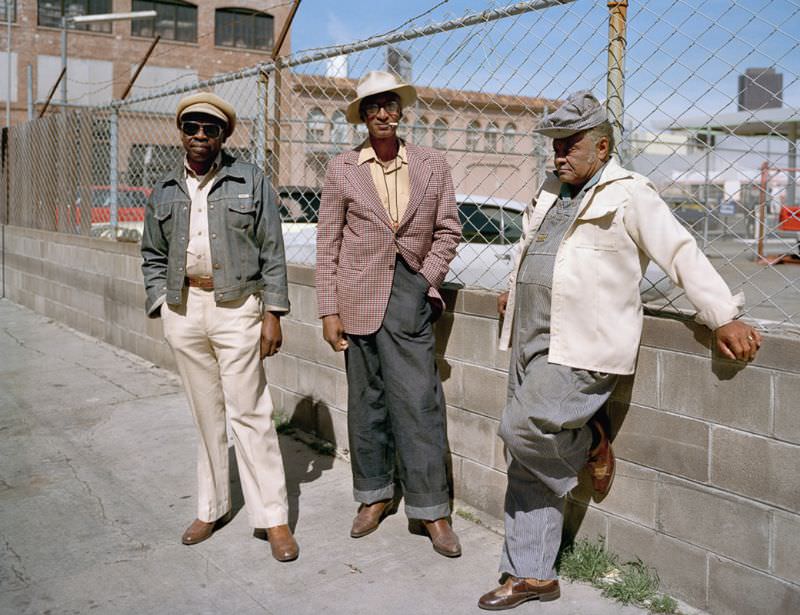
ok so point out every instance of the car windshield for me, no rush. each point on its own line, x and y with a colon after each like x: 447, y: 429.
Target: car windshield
x: 299, y: 205
x: 484, y: 223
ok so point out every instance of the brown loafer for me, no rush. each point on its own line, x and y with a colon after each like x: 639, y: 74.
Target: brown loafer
x: 369, y: 517
x: 199, y: 531
x: 282, y: 544
x: 443, y: 538
x: 601, y: 463
x: 515, y: 591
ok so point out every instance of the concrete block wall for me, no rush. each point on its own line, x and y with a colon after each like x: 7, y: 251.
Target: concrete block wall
x: 707, y: 487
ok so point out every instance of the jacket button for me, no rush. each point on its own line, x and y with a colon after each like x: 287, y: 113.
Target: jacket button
x: 213, y: 235
x: 217, y: 266
x: 211, y: 207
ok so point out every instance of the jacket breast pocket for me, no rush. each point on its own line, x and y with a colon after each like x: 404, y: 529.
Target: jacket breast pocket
x: 240, y: 212
x: 598, y: 233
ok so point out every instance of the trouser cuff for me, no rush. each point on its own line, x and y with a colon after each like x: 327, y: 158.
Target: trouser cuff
x: 374, y: 495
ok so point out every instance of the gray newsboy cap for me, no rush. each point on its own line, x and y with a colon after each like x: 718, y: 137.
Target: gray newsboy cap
x: 580, y: 111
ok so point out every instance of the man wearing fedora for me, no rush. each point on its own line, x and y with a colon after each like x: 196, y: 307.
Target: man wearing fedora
x: 215, y: 272
x: 573, y: 319
x: 388, y: 229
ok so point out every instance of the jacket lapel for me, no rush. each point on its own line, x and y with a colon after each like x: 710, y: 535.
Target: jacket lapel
x: 419, y: 174
x: 360, y: 177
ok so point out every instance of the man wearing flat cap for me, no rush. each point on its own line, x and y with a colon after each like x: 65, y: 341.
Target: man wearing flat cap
x: 388, y: 229
x: 215, y: 272
x: 573, y: 319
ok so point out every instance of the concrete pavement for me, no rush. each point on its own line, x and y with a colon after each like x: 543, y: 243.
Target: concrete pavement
x: 97, y: 484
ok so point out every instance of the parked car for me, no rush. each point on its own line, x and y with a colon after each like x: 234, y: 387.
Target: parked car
x: 490, y: 228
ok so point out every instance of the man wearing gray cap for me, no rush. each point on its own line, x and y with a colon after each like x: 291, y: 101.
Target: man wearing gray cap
x: 215, y: 272
x: 573, y: 319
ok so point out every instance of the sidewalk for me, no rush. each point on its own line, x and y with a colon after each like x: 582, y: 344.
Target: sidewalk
x: 97, y: 485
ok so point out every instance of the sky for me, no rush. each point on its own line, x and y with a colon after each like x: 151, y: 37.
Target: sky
x: 683, y: 56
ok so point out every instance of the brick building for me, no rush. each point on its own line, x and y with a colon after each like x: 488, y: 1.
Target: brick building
x: 198, y: 41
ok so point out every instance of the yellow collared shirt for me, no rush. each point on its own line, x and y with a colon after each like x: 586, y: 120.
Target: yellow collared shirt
x: 391, y: 180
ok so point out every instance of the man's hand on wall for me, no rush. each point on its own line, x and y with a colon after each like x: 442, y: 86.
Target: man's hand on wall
x: 271, y: 336
x: 738, y: 340
x: 333, y: 332
x: 502, y: 301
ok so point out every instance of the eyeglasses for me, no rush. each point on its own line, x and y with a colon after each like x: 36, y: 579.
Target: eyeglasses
x: 212, y: 131
x: 390, y: 106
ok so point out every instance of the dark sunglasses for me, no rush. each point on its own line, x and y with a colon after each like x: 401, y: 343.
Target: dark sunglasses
x: 391, y: 107
x: 212, y: 131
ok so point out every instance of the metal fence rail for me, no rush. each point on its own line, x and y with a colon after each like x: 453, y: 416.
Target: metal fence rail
x: 675, y: 74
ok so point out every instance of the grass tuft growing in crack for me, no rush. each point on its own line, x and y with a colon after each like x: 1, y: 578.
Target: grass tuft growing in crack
x: 629, y: 583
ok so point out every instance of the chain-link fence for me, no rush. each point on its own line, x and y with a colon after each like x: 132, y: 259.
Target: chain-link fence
x: 706, y: 93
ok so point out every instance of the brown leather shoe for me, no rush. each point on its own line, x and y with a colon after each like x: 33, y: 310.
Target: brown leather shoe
x: 282, y: 544
x: 444, y: 539
x: 601, y: 463
x: 369, y: 517
x: 199, y: 531
x: 515, y: 591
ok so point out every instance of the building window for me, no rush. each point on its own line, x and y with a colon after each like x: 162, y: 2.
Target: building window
x: 340, y: 132
x: 492, y: 133
x: 316, y: 123
x: 420, y: 131
x: 509, y: 136
x: 244, y: 28
x: 4, y: 9
x: 51, y: 11
x: 473, y: 135
x: 175, y: 21
x: 440, y: 134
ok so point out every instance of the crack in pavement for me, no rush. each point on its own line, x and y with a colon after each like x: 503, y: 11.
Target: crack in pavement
x: 21, y: 343
x: 19, y: 573
x: 109, y: 522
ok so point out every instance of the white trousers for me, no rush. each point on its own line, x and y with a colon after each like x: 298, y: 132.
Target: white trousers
x: 216, y: 350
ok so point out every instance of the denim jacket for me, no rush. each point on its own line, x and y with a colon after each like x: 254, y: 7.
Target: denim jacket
x: 244, y: 232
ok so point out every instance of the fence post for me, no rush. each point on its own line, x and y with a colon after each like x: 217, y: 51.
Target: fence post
x: 261, y: 121
x: 615, y: 84
x: 274, y: 121
x: 113, y: 171
x: 762, y: 209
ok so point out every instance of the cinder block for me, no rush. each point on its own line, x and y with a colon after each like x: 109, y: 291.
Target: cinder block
x: 721, y: 392
x: 675, y: 444
x: 471, y: 435
x: 724, y: 524
x: 779, y: 352
x: 642, y: 387
x: 633, y: 494
x: 300, y: 274
x: 679, y: 335
x: 756, y: 467
x: 303, y: 300
x: 581, y: 521
x: 680, y: 566
x: 786, y: 546
x: 282, y: 370
x: 479, y: 302
x: 479, y: 486
x: 733, y: 588
x: 786, y: 424
x: 471, y: 339
x: 484, y: 390
x: 316, y: 381
x: 450, y: 373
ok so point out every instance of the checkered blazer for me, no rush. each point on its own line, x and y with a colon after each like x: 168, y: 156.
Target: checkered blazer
x: 356, y: 247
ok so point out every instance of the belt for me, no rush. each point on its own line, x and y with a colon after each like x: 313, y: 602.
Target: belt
x: 200, y: 282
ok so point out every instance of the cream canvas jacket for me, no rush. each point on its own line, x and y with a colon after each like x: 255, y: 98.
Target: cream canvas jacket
x: 596, y: 309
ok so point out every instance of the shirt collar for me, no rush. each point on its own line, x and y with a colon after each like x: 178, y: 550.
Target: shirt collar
x: 367, y: 154
x: 188, y: 172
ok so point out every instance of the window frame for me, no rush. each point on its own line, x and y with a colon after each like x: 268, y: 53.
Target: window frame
x: 100, y: 27
x: 138, y: 25
x: 238, y: 13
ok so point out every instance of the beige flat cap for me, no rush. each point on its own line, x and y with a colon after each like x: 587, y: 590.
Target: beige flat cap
x: 208, y: 104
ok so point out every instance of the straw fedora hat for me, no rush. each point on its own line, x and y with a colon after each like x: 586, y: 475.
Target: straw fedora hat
x: 377, y: 82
